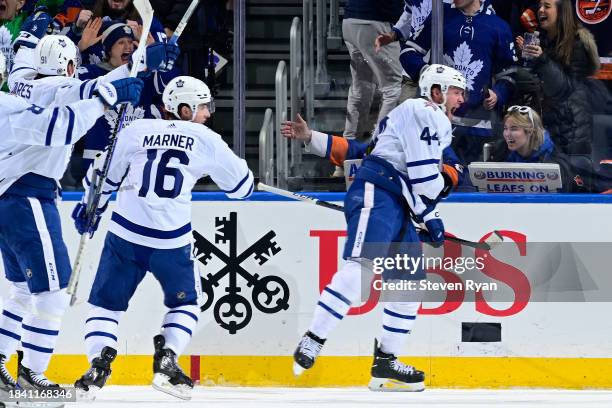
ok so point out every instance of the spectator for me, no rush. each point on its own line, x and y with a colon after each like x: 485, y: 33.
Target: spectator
x: 480, y: 46
x: 566, y: 57
x: 526, y: 141
x: 364, y: 21
x: 92, y: 51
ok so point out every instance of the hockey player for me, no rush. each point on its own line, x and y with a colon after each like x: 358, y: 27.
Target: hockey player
x: 398, y: 179
x: 34, y: 150
x: 155, y: 165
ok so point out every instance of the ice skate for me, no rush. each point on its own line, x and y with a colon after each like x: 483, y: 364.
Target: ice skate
x: 28, y: 379
x: 7, y: 382
x: 390, y: 374
x: 88, y: 385
x: 306, y: 352
x: 168, y: 376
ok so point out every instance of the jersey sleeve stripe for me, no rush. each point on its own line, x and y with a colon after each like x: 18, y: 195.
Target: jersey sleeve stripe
x: 424, y: 179
x: 239, y: 184
x: 51, y: 126
x: 21, y: 68
x: 112, y: 183
x: 249, y: 192
x: 82, y: 89
x: 150, y: 232
x: 70, y: 125
x: 422, y: 162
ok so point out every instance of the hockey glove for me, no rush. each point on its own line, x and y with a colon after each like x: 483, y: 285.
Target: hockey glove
x: 33, y: 29
x: 120, y: 91
x: 79, y: 215
x: 435, y: 229
x: 156, y: 56
x: 172, y: 53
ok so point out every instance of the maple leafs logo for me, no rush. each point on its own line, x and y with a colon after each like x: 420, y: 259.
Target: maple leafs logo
x: 462, y: 61
x: 131, y: 114
x: 419, y: 15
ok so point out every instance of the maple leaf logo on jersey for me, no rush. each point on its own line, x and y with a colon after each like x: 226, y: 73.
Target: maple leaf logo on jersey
x: 419, y: 15
x: 462, y: 61
x: 6, y: 47
x: 131, y: 114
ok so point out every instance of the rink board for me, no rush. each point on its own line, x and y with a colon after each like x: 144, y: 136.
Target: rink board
x: 560, y: 345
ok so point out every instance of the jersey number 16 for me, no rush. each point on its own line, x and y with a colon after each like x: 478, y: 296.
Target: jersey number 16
x: 163, y: 171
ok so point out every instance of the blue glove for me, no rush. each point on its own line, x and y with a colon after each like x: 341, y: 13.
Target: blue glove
x: 435, y: 229
x: 172, y: 53
x: 79, y: 215
x: 121, y: 91
x: 33, y: 29
x: 156, y: 56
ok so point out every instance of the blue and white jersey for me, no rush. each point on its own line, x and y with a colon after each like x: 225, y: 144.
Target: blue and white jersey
x: 39, y: 140
x: 148, y: 107
x: 155, y: 165
x: 412, y: 138
x: 53, y: 90
x: 481, y: 48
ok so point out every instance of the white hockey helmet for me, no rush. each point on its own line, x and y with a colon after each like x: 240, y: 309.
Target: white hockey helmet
x: 444, y: 77
x: 54, y: 53
x: 189, y: 91
x: 3, y: 73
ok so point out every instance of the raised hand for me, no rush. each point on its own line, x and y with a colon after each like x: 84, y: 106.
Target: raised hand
x: 90, y: 34
x: 298, y: 130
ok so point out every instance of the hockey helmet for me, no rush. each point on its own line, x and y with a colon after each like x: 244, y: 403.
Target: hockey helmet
x: 53, y: 55
x: 189, y: 91
x: 3, y: 74
x: 443, y: 76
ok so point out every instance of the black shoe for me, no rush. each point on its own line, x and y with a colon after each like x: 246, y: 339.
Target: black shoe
x: 7, y: 382
x: 168, y: 375
x: 97, y: 375
x: 390, y: 374
x: 306, y: 352
x: 28, y: 379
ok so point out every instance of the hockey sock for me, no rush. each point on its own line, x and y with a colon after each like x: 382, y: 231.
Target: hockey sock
x: 178, y: 326
x: 16, y: 307
x: 336, y: 299
x: 101, y: 329
x: 41, y: 328
x: 398, y: 320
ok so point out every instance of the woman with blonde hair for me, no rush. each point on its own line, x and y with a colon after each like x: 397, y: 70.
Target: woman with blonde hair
x: 526, y: 141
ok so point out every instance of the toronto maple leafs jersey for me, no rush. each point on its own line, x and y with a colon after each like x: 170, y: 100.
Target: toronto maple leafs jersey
x: 411, y: 139
x: 482, y: 49
x: 39, y: 140
x: 155, y: 165
x: 52, y: 90
x: 149, y: 107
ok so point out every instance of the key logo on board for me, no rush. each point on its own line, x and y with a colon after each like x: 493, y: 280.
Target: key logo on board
x: 269, y: 294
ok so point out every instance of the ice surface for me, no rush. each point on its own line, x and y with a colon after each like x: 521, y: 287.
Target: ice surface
x: 237, y: 397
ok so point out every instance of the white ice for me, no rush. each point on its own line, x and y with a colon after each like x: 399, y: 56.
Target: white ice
x: 238, y: 397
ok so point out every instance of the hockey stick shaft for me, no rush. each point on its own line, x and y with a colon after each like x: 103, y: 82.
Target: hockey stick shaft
x: 183, y: 23
x: 146, y: 14
x: 326, y: 204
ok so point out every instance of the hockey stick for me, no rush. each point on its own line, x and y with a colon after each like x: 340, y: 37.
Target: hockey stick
x: 146, y: 14
x: 494, y: 239
x: 183, y: 23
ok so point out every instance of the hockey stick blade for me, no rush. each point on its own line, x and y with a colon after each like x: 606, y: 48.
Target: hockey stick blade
x: 494, y: 239
x: 183, y: 23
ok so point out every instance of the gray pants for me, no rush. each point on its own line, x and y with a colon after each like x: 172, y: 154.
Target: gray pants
x: 370, y: 70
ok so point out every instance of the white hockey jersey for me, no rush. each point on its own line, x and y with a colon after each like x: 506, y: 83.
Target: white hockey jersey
x: 38, y: 140
x: 155, y: 165
x: 412, y: 138
x: 53, y: 90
